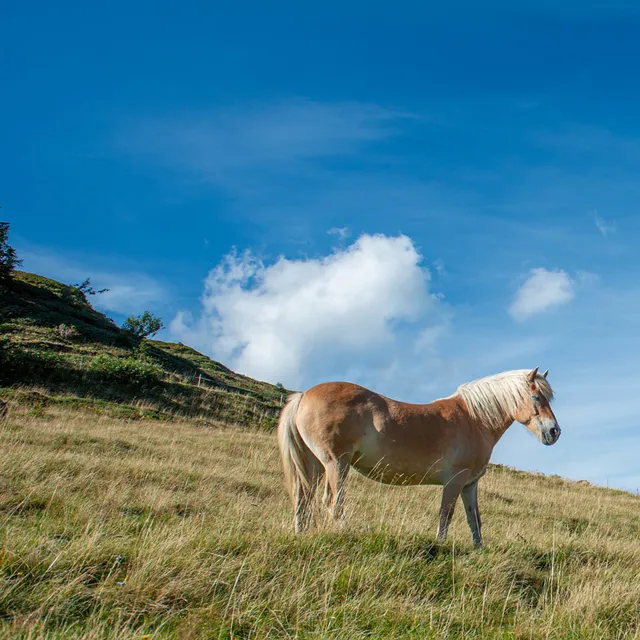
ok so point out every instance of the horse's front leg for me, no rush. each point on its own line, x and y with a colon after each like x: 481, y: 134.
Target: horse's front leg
x: 470, y: 501
x: 450, y: 493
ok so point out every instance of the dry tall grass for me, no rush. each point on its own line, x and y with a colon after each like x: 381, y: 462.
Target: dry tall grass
x: 114, y: 529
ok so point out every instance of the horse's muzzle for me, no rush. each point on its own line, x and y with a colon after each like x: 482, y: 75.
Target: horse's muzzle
x: 551, y: 436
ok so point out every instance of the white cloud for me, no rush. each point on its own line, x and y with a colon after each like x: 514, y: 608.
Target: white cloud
x: 604, y: 227
x: 543, y: 290
x: 341, y: 232
x: 439, y: 267
x: 128, y: 293
x: 320, y: 316
x: 587, y: 277
x: 227, y: 146
x: 429, y: 337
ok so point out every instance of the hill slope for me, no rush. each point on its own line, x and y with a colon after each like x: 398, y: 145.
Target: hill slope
x: 50, y: 336
x: 115, y: 530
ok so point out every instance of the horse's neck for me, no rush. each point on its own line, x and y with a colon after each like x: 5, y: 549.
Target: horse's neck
x: 506, y: 423
x: 496, y: 431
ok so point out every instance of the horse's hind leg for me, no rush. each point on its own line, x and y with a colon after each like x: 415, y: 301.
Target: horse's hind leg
x: 336, y: 470
x: 304, y: 496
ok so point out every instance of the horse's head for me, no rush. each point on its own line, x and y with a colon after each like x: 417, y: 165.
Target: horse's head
x: 535, y: 413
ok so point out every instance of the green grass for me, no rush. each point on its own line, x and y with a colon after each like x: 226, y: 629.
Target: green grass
x: 118, y: 529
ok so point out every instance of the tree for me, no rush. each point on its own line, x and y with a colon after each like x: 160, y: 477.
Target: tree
x: 143, y: 325
x: 86, y: 288
x: 76, y: 294
x: 8, y: 256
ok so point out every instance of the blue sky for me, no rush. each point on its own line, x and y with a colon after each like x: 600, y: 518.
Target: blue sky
x: 401, y: 195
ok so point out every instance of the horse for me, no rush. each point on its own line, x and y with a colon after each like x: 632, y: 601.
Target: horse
x: 338, y: 425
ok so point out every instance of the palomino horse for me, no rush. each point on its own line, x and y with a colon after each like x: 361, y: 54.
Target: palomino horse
x: 338, y: 425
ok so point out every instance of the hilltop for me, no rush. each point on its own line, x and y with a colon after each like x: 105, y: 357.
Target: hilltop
x: 51, y: 338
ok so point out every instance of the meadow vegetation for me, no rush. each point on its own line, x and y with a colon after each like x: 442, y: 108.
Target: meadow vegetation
x: 114, y: 528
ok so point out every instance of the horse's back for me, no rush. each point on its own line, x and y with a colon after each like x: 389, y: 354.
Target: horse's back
x: 338, y: 415
x: 346, y: 393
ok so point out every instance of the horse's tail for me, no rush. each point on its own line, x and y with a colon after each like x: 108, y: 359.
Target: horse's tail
x: 293, y: 451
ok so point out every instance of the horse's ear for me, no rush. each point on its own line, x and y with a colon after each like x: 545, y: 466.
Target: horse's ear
x: 545, y: 374
x: 532, y: 376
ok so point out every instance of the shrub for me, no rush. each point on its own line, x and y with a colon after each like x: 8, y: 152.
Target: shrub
x: 129, y: 371
x: 126, y: 340
x: 18, y: 364
x: 143, y: 325
x: 73, y: 297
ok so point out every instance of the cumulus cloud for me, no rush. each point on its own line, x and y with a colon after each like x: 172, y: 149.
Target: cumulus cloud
x: 317, y: 315
x: 543, y: 290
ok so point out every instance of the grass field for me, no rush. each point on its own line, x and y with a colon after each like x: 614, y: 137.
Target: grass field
x: 122, y: 529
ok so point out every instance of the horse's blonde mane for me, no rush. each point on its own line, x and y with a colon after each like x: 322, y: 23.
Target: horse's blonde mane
x: 490, y: 400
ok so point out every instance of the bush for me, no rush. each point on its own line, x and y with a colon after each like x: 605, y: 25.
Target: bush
x: 144, y: 325
x: 128, y: 371
x: 21, y: 365
x: 126, y: 340
x: 74, y: 297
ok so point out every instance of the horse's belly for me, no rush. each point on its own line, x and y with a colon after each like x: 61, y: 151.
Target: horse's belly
x: 379, y: 461
x: 391, y: 476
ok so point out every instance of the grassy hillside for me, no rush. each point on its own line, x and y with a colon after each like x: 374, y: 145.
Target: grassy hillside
x: 51, y: 337
x: 112, y: 529
x: 121, y: 529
